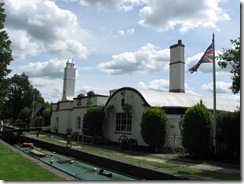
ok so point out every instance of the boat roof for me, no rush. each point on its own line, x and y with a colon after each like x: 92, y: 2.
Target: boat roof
x: 181, y: 100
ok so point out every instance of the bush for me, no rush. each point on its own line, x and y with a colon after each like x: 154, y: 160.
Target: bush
x: 228, y: 135
x: 153, y: 127
x: 197, y: 131
x: 93, y: 121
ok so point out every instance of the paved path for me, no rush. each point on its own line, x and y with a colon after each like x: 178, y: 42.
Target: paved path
x: 193, y: 165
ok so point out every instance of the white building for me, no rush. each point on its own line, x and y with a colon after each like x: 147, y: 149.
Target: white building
x: 126, y: 105
x: 68, y: 113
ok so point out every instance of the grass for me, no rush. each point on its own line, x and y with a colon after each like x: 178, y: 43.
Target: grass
x: 15, y: 167
x: 167, y: 166
x: 51, y: 139
x: 171, y: 167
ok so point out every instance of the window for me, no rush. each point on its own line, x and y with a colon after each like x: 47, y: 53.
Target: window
x: 79, y: 101
x: 57, y: 106
x: 55, y: 128
x: 123, y: 122
x: 78, y: 122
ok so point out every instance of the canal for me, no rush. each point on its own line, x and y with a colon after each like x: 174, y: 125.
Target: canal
x: 72, y: 166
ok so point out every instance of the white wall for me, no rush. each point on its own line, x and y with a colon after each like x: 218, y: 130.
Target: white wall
x: 68, y: 112
x: 133, y: 99
x: 136, y: 101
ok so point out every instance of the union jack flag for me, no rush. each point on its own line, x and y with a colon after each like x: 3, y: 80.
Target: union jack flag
x: 206, y: 58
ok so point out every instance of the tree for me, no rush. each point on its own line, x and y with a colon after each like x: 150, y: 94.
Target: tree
x: 153, y: 127
x: 5, y: 55
x: 20, y: 95
x: 231, y: 56
x: 24, y: 115
x: 197, y: 130
x: 47, y: 114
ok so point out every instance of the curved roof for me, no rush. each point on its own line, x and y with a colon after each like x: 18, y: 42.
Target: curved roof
x: 180, y: 100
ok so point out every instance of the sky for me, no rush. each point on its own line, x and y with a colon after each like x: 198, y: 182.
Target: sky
x: 119, y: 43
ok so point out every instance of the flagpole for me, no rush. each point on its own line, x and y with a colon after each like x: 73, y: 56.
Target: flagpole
x: 214, y: 99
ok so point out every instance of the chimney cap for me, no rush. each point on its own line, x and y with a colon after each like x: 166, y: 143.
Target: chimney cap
x: 178, y: 44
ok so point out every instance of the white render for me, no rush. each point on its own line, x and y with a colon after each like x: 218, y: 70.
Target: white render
x: 69, y: 81
x: 68, y: 112
x: 131, y: 97
x: 177, y: 68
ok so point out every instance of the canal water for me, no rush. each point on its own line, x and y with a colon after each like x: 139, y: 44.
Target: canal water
x: 74, y: 167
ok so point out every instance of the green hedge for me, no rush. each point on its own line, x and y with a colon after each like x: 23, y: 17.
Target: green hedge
x: 197, y: 131
x: 93, y: 121
x: 153, y: 127
x: 228, y: 136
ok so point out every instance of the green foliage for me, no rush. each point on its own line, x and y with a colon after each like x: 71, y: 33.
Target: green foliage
x: 25, y: 114
x: 231, y: 56
x: 47, y: 115
x: 197, y: 130
x: 93, y: 121
x: 5, y: 55
x: 228, y: 133
x: 153, y: 127
x: 20, y: 95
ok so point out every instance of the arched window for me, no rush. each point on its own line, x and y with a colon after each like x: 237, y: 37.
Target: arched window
x: 78, y: 123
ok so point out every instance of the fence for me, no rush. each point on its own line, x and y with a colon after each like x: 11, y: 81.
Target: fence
x: 174, y: 144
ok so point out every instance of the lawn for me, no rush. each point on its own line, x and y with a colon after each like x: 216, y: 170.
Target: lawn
x: 15, y: 167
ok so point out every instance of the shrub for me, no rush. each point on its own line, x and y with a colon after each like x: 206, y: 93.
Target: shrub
x: 153, y: 127
x: 93, y: 121
x: 228, y: 135
x: 197, y: 130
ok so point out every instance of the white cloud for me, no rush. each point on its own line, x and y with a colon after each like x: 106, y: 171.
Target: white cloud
x: 157, y: 84
x: 129, y: 32
x: 146, y: 59
x: 221, y: 87
x: 122, y: 5
x: 51, y: 89
x: 22, y: 44
x: 223, y: 91
x: 46, y: 26
x: 52, y: 68
x: 163, y: 85
x: 167, y: 14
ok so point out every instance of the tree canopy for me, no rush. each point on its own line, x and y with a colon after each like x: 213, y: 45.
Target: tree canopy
x: 231, y: 56
x: 5, y: 54
x: 20, y: 94
x: 16, y: 92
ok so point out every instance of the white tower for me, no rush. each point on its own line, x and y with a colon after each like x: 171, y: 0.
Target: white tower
x: 177, y: 68
x: 69, y: 81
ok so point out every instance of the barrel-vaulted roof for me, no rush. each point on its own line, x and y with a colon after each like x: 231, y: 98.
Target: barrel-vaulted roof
x: 180, y: 100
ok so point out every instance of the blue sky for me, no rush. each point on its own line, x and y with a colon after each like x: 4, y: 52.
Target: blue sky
x: 118, y: 43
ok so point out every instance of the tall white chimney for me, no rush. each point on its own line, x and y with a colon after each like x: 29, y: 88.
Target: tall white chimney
x: 69, y: 81
x: 177, y: 68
